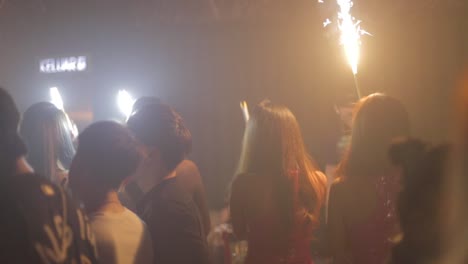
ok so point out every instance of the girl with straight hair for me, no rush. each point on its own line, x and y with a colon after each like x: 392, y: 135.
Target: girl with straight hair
x: 48, y: 136
x: 278, y: 192
x: 361, y: 208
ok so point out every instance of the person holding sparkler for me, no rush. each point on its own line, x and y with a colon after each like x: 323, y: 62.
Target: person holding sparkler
x: 107, y: 154
x: 362, y: 201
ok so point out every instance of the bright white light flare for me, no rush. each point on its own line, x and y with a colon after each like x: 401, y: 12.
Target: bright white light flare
x: 56, y: 98
x: 125, y: 102
x: 350, y: 37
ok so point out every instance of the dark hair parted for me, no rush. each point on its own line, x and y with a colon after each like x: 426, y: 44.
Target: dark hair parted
x: 378, y: 119
x: 160, y: 126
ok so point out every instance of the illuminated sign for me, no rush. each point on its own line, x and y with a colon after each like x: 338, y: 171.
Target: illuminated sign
x: 65, y: 64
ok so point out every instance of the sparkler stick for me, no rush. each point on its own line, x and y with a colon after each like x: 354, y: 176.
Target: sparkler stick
x: 356, y: 85
x: 350, y: 37
x: 245, y: 110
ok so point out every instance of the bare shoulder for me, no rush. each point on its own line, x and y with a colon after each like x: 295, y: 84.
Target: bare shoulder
x: 187, y: 165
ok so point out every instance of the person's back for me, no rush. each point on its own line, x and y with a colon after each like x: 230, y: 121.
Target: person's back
x: 268, y: 241
x: 187, y: 173
x: 39, y: 223
x: 168, y: 209
x: 47, y: 134
x: 121, y: 237
x: 367, y: 211
x: 189, y: 177
x: 277, y: 195
x: 107, y: 154
x: 174, y: 223
x: 361, y: 207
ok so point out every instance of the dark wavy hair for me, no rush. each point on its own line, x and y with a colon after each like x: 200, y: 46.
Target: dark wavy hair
x: 160, y: 126
x: 378, y: 119
x: 273, y: 148
x: 11, y: 146
x: 48, y: 137
x: 146, y: 101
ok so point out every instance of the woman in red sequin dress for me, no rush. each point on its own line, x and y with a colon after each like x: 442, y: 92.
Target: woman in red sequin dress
x: 277, y: 195
x: 361, y: 208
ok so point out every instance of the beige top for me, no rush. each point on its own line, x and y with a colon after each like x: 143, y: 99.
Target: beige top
x: 121, y: 238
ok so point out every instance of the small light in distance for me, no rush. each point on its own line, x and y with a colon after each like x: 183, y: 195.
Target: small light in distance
x: 56, y: 98
x: 125, y: 102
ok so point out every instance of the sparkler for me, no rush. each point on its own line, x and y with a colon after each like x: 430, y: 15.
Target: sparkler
x: 350, y: 36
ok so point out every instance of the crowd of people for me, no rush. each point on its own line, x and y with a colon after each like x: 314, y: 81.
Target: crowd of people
x: 127, y: 193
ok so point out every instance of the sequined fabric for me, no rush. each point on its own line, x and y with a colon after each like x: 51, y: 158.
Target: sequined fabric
x: 370, y: 240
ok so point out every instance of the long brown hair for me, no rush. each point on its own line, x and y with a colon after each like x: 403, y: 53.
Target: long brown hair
x: 47, y: 135
x: 273, y: 148
x: 377, y: 120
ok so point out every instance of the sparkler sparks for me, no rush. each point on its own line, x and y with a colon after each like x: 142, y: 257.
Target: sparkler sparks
x: 350, y: 33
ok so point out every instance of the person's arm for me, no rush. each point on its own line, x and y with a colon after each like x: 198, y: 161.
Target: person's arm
x: 237, y: 208
x: 200, y: 199
x: 199, y: 195
x: 335, y: 226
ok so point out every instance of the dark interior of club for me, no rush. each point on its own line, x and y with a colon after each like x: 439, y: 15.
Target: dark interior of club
x: 204, y: 57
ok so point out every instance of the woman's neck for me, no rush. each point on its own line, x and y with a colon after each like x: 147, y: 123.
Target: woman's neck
x: 111, y: 204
